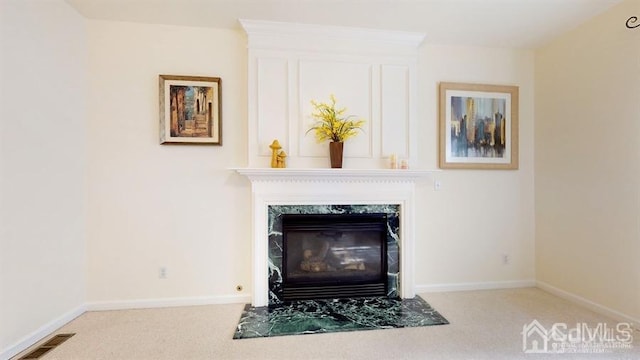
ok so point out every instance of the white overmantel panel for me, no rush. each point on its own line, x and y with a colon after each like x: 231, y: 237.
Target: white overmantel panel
x: 330, y: 186
x: 371, y: 72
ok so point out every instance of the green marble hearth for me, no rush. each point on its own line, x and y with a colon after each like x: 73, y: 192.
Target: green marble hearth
x: 335, y: 315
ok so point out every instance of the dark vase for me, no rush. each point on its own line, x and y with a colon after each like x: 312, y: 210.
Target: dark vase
x: 335, y: 153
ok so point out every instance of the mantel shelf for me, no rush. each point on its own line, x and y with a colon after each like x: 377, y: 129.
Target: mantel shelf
x: 335, y: 175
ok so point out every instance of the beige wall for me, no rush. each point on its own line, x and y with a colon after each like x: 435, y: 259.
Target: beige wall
x: 179, y: 206
x: 478, y: 215
x: 587, y: 162
x: 42, y: 164
x: 151, y: 205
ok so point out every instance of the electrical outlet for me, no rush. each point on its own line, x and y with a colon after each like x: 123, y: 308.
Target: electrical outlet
x: 162, y: 272
x: 506, y: 259
x: 437, y: 185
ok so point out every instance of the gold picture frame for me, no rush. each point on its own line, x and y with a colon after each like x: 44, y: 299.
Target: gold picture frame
x: 478, y: 126
x: 190, y: 110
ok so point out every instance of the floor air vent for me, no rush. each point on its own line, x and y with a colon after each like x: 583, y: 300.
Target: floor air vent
x: 47, y: 346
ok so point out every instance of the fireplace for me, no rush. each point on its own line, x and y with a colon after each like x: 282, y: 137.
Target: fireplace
x: 334, y: 255
x: 277, y: 192
x: 368, y: 234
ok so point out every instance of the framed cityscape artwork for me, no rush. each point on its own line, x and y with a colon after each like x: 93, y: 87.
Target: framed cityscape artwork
x: 478, y: 126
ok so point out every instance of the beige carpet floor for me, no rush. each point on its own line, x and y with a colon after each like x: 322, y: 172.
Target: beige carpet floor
x: 484, y: 325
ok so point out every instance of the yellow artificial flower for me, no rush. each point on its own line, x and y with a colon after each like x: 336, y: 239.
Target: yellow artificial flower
x: 331, y: 124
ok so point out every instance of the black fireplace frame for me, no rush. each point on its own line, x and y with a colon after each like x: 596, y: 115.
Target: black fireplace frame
x: 336, y: 288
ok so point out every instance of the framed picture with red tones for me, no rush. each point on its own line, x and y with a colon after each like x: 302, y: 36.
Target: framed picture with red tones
x: 190, y: 110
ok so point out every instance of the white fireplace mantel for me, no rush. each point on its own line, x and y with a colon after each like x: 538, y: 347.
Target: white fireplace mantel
x: 292, y: 186
x: 334, y: 175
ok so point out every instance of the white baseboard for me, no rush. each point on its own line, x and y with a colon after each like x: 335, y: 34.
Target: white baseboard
x: 50, y: 327
x: 168, y: 302
x: 600, y: 309
x: 475, y: 286
x: 41, y: 333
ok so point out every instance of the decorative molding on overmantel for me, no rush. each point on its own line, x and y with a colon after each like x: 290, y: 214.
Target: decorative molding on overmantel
x: 373, y: 71
x: 337, y: 39
x: 335, y: 175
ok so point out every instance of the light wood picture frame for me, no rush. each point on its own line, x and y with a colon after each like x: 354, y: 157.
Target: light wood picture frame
x: 190, y: 110
x: 478, y: 126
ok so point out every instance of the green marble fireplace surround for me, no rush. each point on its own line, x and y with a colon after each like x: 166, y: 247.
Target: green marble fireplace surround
x: 276, y: 212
